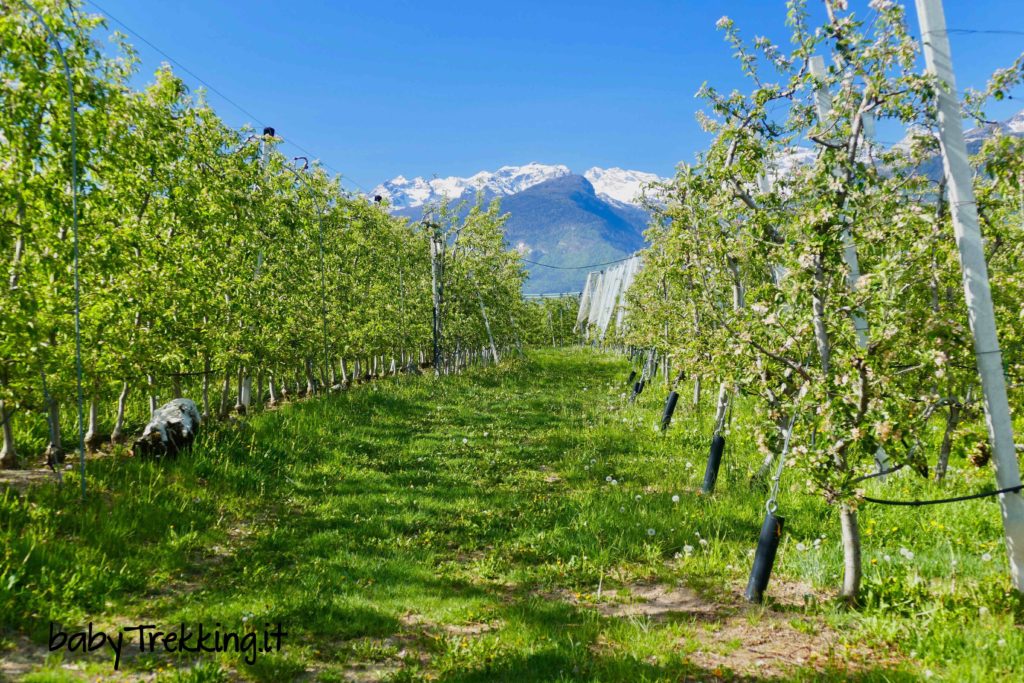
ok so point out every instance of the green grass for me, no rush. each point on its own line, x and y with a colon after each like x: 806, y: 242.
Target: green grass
x: 459, y: 530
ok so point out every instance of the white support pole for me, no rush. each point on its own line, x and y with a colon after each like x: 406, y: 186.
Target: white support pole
x: 981, y: 315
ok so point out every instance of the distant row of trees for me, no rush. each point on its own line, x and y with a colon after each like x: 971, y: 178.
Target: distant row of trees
x: 212, y: 265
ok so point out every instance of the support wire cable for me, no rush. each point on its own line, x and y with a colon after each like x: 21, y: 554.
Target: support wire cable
x: 204, y: 82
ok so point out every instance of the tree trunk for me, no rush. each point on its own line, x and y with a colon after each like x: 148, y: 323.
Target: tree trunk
x: 947, y: 441
x: 310, y: 382
x: 225, y: 395
x: 8, y: 455
x: 54, y: 451
x: 152, y: 396
x: 92, y: 436
x: 176, y: 386
x: 272, y: 401
x: 696, y: 391
x: 245, y: 391
x: 260, y: 376
x: 242, y: 398
x: 851, y: 553
x: 723, y: 403
x: 206, y: 389
x: 122, y: 401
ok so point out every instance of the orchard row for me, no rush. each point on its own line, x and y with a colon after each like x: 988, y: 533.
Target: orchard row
x: 212, y: 265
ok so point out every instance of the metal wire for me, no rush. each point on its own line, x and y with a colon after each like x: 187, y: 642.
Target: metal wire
x: 592, y: 265
x: 217, y: 92
x: 772, y: 505
x: 72, y: 110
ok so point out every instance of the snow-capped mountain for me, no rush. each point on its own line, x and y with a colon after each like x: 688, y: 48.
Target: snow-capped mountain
x: 507, y: 180
x: 1015, y: 124
x: 619, y: 184
x: 791, y: 158
x: 614, y: 184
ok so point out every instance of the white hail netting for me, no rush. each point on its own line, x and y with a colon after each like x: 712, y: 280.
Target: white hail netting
x: 604, y: 292
x: 632, y: 266
x: 612, y: 295
x: 585, y: 298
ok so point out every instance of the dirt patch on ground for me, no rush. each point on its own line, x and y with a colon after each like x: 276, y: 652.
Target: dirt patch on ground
x: 769, y: 648
x: 20, y: 480
x: 734, y: 637
x: 20, y: 659
x: 650, y: 600
x: 424, y: 626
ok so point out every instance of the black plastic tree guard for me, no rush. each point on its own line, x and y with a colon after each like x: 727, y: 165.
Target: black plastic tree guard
x: 764, y: 558
x: 637, y: 390
x: 632, y: 376
x: 714, y: 462
x: 670, y: 407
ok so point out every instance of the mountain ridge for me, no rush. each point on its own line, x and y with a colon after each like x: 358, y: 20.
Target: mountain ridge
x: 613, y: 184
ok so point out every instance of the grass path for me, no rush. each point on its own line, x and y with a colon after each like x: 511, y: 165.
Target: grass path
x: 511, y: 524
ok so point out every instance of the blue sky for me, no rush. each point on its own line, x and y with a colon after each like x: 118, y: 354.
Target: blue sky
x: 378, y: 89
